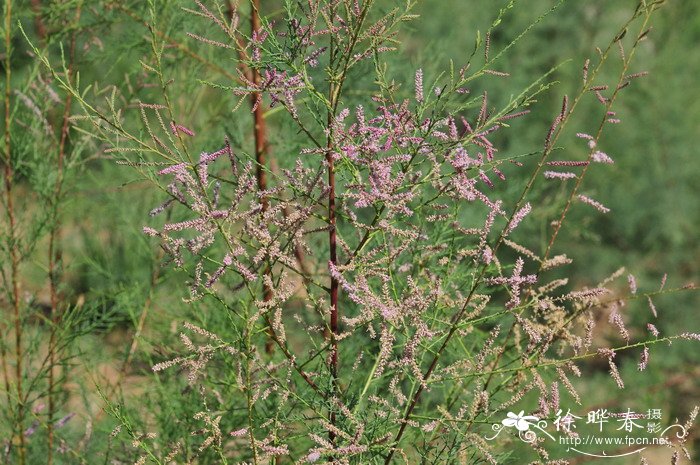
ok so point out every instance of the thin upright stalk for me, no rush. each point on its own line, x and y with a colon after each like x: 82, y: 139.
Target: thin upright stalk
x: 333, y: 256
x: 12, y: 241
x: 478, y: 280
x: 155, y: 275
x: 38, y: 21
x: 258, y: 117
x: 598, y: 134
x: 260, y: 136
x: 3, y: 344
x: 332, y: 238
x: 54, y: 246
x: 249, y: 387
x: 172, y: 42
x: 55, y: 250
x: 261, y: 141
x: 335, y: 86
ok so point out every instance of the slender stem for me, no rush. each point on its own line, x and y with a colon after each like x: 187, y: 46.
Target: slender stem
x: 478, y: 279
x: 333, y: 256
x: 3, y: 344
x: 249, y: 386
x: 38, y: 21
x: 564, y: 361
x: 183, y: 48
x: 12, y: 239
x: 579, y: 180
x: 261, y: 146
x: 258, y: 114
x: 261, y: 152
x: 335, y: 86
x: 155, y: 275
x: 54, y: 244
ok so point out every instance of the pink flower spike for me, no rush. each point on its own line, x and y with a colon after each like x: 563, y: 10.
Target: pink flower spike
x: 185, y: 130
x: 597, y: 205
x: 602, y: 157
x: 559, y: 175
x: 644, y: 360
x: 173, y: 169
x: 652, y: 307
x: 518, y: 217
x: 601, y: 98
x: 652, y: 329
x: 615, y: 374
x: 567, y: 163
x: 637, y: 75
x: 496, y: 73
x: 205, y: 157
x: 514, y: 115
x: 486, y: 179
x: 150, y: 231
x: 550, y: 133
x: 419, y: 85
x: 177, y: 127
x: 690, y: 336
x: 616, y: 319
x: 632, y: 283
x: 588, y: 137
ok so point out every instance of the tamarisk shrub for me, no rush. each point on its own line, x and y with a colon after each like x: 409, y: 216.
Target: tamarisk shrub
x: 415, y: 312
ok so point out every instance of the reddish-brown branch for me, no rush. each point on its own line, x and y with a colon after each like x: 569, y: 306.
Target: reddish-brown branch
x: 38, y: 21
x: 260, y: 136
x: 332, y: 238
x: 261, y: 143
x: 258, y: 117
x: 334, y: 280
x: 335, y: 86
x: 262, y: 149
